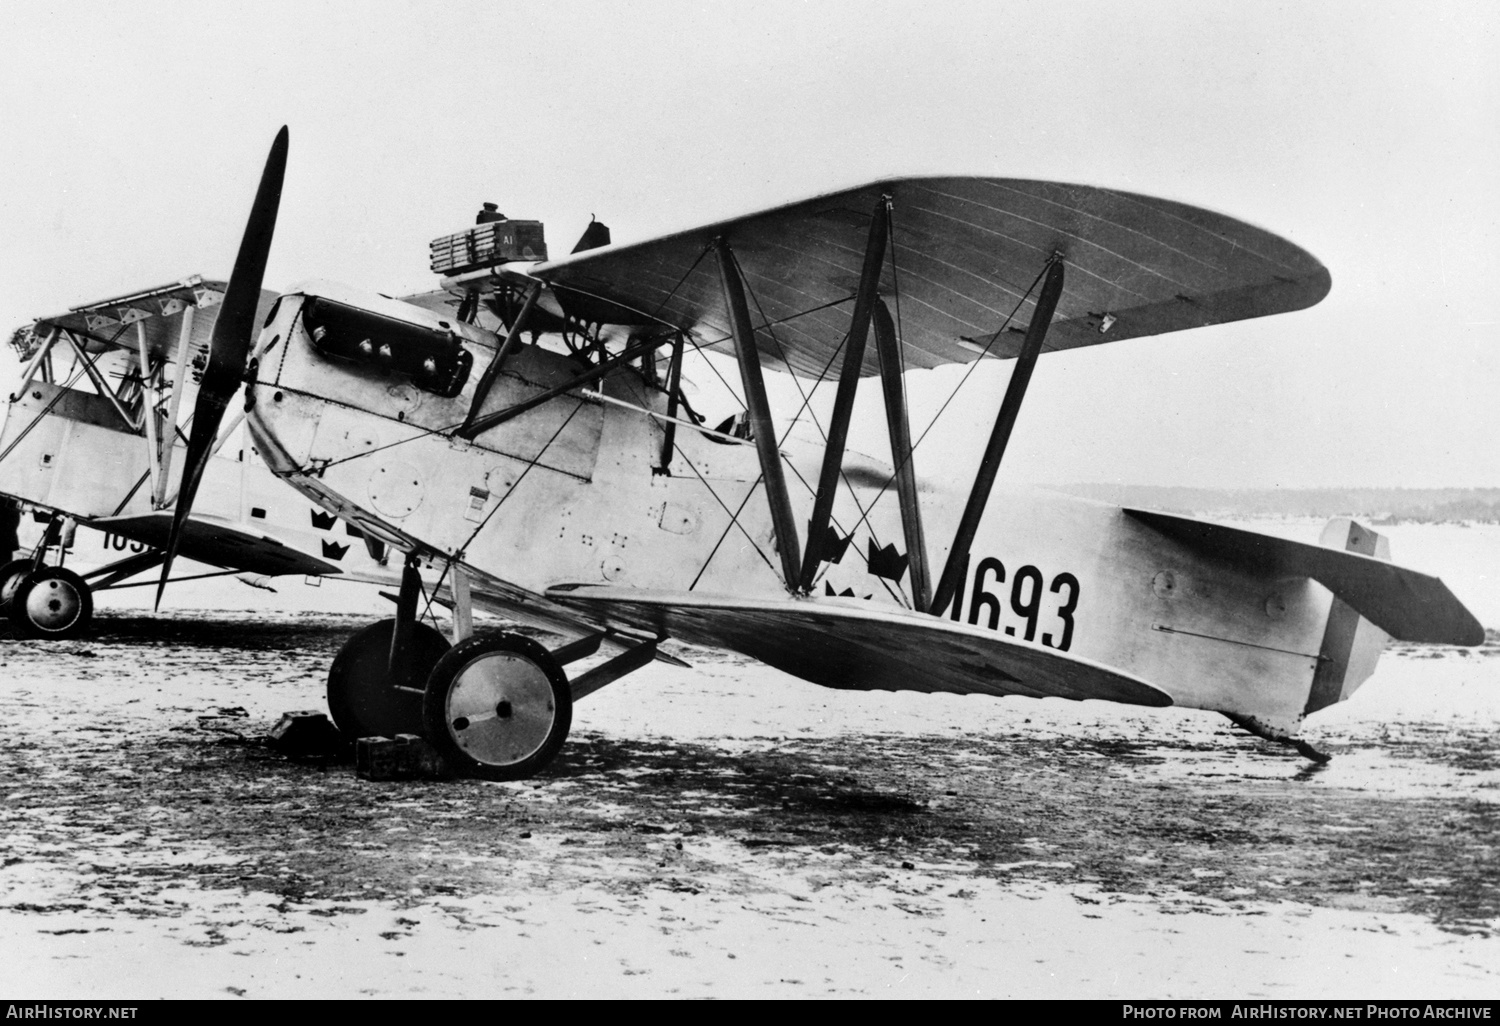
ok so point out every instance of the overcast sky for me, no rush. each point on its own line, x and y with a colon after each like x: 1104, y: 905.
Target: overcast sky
x: 1368, y: 133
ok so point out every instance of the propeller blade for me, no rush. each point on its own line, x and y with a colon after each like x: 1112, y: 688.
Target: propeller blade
x: 229, y: 346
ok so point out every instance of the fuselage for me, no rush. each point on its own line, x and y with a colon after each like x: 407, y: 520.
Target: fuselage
x: 576, y: 490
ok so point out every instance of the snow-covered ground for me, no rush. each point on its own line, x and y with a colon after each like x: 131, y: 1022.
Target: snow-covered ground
x: 728, y: 831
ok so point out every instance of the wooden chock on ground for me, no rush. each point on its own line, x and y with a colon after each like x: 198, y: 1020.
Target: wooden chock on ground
x: 404, y: 757
x: 306, y: 734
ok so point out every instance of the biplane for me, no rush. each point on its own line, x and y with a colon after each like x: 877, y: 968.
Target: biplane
x: 94, y: 435
x: 556, y: 472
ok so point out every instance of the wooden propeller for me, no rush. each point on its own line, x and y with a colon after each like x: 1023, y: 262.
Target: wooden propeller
x: 229, y: 347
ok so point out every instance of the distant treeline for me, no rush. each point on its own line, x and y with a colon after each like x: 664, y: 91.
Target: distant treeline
x: 1380, y: 505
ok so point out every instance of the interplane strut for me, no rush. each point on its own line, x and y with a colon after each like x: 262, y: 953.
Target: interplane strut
x: 787, y: 545
x: 179, y: 377
x: 150, y: 417
x: 843, y: 401
x: 1005, y: 421
x: 899, y: 428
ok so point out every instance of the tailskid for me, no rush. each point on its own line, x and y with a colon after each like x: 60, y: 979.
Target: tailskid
x: 1261, y: 730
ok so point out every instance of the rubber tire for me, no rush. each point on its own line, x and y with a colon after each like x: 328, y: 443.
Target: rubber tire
x: 34, y: 587
x: 11, y: 575
x: 448, y: 673
x: 361, y: 697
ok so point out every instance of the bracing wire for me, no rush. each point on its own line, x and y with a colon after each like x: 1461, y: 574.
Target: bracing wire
x: 685, y: 276
x: 954, y: 394
x: 459, y: 552
x: 734, y: 521
x: 781, y: 350
x: 806, y: 397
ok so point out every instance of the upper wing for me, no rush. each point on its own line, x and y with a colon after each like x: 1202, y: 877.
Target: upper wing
x: 438, y: 301
x: 218, y: 543
x: 963, y: 254
x: 1405, y: 604
x: 112, y: 322
x: 495, y: 313
x: 859, y: 647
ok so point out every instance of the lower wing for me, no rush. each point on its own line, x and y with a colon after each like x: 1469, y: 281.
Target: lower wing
x: 859, y: 648
x: 219, y: 543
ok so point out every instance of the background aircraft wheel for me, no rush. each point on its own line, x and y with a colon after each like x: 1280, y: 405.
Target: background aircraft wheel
x: 362, y: 697
x: 11, y: 576
x: 51, y: 603
x: 498, y: 707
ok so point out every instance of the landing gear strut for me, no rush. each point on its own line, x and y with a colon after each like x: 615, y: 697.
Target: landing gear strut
x: 44, y: 601
x: 365, y: 697
x: 375, y: 683
x: 495, y: 705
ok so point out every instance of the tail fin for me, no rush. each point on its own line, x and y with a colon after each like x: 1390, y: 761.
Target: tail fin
x: 1351, y: 644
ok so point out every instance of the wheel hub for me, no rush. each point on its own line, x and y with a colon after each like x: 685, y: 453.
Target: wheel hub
x: 53, y: 604
x: 500, y: 708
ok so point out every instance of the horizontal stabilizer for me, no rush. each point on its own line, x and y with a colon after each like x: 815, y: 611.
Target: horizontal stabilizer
x: 1405, y: 604
x: 860, y: 647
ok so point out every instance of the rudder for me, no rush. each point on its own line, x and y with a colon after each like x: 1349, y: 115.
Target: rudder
x: 1351, y: 644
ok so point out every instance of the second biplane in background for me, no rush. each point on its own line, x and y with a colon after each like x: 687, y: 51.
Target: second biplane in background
x: 94, y: 435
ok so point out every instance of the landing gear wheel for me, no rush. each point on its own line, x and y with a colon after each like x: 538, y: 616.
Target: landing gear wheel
x: 498, y: 707
x: 51, y: 603
x: 362, y: 695
x: 11, y: 576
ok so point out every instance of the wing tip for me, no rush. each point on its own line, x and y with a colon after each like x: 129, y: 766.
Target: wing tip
x: 1159, y: 699
x: 1316, y: 286
x: 1469, y: 632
